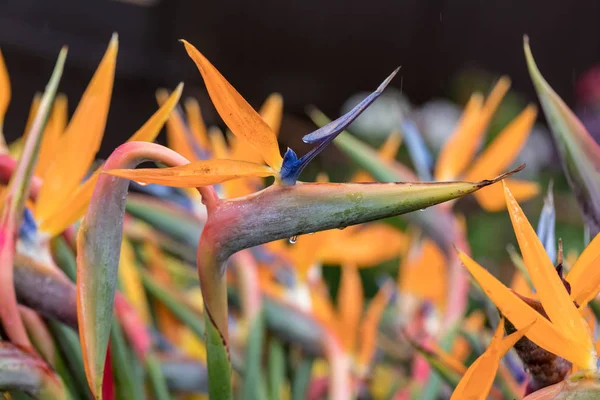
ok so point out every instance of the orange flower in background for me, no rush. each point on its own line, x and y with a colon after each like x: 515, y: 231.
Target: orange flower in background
x: 457, y: 158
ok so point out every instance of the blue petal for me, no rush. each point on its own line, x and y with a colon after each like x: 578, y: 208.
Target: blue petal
x: 419, y: 153
x: 292, y: 167
x: 172, y: 194
x: 546, y: 226
x: 333, y: 128
x: 28, y: 229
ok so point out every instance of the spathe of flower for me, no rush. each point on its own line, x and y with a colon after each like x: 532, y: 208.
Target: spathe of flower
x: 565, y: 332
x: 479, y: 378
x: 23, y: 371
x: 248, y: 126
x: 580, y: 154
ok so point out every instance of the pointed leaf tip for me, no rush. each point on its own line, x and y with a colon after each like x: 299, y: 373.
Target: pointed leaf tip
x: 501, y: 177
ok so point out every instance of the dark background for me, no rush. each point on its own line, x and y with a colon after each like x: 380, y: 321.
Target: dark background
x: 313, y: 52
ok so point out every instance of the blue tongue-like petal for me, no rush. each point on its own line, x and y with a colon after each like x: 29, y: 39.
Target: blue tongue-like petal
x: 292, y: 166
x: 333, y: 128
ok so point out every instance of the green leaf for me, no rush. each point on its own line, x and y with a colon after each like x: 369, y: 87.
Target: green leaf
x: 180, y: 224
x: 276, y: 368
x: 253, y: 365
x: 219, y: 367
x: 64, y: 257
x: 186, y: 315
x: 302, y: 378
x: 68, y: 343
x: 157, y: 379
x: 126, y: 384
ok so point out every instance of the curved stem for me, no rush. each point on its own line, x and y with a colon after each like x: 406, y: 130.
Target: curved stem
x: 98, y: 250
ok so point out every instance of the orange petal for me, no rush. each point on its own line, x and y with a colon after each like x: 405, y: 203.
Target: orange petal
x: 350, y: 303
x: 196, y: 174
x: 465, y: 140
x: 505, y: 147
x: 272, y: 111
x: 196, y: 122
x: 370, y: 324
x: 5, y: 94
x: 75, y: 206
x: 549, y: 287
x: 239, y: 116
x: 448, y: 165
x: 479, y: 378
x: 323, y: 310
x: 367, y: 247
x: 491, y: 198
x: 52, y: 133
x: 81, y: 139
x: 543, y: 333
x: 584, y: 277
x: 389, y: 148
x: 217, y: 143
x: 423, y: 261
x: 178, y: 137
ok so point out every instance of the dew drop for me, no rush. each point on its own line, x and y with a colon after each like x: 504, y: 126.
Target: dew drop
x: 311, y: 233
x: 293, y: 239
x: 141, y: 183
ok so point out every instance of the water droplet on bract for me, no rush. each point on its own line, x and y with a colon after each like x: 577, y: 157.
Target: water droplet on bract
x: 293, y: 239
x: 422, y: 209
x: 141, y: 183
x: 311, y: 233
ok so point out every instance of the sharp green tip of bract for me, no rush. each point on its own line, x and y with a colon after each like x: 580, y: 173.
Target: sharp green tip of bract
x: 580, y: 153
x: 502, y: 177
